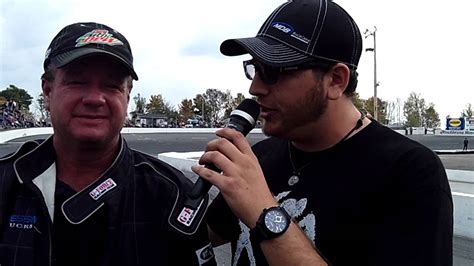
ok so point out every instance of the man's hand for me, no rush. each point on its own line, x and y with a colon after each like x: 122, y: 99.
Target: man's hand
x: 241, y: 182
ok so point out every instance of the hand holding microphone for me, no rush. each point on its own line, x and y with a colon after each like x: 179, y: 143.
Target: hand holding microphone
x: 241, y: 181
x: 188, y: 214
x: 243, y: 120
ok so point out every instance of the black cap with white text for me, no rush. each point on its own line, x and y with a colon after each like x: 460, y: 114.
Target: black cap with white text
x: 301, y: 31
x: 87, y: 38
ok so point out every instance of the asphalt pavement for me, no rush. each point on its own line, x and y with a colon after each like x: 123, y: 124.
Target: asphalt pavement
x: 155, y: 143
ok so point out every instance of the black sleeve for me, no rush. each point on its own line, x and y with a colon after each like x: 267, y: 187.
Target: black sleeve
x: 221, y: 219
x: 416, y: 225
x: 191, y: 250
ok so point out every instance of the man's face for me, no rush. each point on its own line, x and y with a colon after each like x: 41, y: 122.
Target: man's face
x: 88, y: 100
x: 297, y: 99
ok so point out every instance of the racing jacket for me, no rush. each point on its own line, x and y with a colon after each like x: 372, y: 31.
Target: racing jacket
x: 139, y: 195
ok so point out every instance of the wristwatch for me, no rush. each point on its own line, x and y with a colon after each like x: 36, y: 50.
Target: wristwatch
x: 273, y: 222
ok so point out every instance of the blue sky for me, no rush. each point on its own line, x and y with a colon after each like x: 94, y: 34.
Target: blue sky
x: 422, y: 46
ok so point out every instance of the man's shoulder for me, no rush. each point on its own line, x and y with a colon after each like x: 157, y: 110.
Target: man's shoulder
x: 386, y: 138
x: 269, y: 144
x: 22, y: 150
x: 156, y: 168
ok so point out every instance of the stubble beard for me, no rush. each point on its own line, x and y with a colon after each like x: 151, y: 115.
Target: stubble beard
x: 306, y: 110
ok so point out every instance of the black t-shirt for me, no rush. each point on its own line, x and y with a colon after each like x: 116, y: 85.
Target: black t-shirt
x: 77, y: 244
x: 377, y: 198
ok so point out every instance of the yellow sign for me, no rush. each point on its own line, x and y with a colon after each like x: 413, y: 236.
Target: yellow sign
x: 454, y: 122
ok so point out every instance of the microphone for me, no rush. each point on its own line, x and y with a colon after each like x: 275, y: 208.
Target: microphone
x: 242, y: 119
x: 190, y: 210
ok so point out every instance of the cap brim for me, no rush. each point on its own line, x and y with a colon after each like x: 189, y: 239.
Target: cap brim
x: 63, y: 59
x: 265, y: 50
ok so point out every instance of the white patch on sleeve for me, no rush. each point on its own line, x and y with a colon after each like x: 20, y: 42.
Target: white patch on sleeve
x: 205, y: 254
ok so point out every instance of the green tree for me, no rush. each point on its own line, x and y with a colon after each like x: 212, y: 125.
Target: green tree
x: 186, y: 110
x: 158, y: 105
x: 431, y: 117
x: 155, y: 105
x: 232, y: 103
x: 239, y: 98
x: 414, y: 110
x: 139, y: 108
x: 381, y: 109
x: 44, y: 114
x: 200, y: 108
x: 216, y: 101
x: 468, y: 112
x: 139, y: 104
x: 20, y: 96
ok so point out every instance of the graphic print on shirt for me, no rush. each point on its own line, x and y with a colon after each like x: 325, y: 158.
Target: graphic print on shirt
x: 295, y: 209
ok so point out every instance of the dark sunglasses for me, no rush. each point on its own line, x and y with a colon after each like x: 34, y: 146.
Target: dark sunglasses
x: 269, y: 75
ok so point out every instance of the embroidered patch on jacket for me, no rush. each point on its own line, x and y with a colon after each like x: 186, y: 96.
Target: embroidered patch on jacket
x: 22, y: 221
x: 187, y: 215
x: 205, y: 254
x: 103, y: 188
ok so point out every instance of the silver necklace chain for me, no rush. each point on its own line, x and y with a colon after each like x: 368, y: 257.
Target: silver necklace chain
x: 295, y: 177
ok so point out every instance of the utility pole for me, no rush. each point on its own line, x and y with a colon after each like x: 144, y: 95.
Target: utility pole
x: 376, y: 84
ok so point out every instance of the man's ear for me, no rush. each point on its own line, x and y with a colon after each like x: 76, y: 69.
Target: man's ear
x: 46, y: 86
x: 339, y: 79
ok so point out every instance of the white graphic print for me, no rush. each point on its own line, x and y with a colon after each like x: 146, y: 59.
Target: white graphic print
x: 244, y: 242
x: 295, y: 209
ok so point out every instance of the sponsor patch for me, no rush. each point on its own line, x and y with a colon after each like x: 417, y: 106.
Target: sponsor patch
x: 98, y: 36
x: 205, y: 254
x: 22, y: 221
x: 103, y: 188
x: 187, y: 215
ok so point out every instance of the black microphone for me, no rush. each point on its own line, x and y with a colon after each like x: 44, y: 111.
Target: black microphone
x: 242, y: 119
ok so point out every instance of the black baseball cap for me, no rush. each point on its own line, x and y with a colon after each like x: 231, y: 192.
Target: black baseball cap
x: 301, y: 31
x: 86, y: 38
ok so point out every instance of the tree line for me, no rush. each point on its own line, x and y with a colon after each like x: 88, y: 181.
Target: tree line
x: 214, y: 106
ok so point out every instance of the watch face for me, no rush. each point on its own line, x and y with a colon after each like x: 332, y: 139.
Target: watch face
x: 275, y: 221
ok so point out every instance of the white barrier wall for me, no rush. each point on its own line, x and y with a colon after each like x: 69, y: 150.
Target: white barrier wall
x: 7, y: 135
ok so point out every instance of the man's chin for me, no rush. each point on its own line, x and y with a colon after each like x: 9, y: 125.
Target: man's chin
x: 270, y: 130
x: 91, y: 136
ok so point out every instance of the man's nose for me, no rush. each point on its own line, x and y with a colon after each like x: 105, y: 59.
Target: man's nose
x: 258, y: 87
x: 94, y: 95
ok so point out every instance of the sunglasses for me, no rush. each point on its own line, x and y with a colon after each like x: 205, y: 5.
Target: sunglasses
x: 269, y: 75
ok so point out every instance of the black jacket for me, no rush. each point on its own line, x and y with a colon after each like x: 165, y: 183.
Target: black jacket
x: 139, y: 197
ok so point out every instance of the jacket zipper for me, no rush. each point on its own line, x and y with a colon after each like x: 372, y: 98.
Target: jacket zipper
x: 49, y: 221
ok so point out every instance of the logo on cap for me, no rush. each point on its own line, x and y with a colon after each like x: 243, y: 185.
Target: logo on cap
x: 282, y: 26
x: 98, y: 36
x: 288, y: 29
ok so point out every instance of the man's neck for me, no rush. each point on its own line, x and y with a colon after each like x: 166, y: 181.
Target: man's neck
x: 80, y: 165
x: 329, y: 129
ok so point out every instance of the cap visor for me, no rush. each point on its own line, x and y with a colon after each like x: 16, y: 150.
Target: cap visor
x: 63, y: 59
x: 265, y: 50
